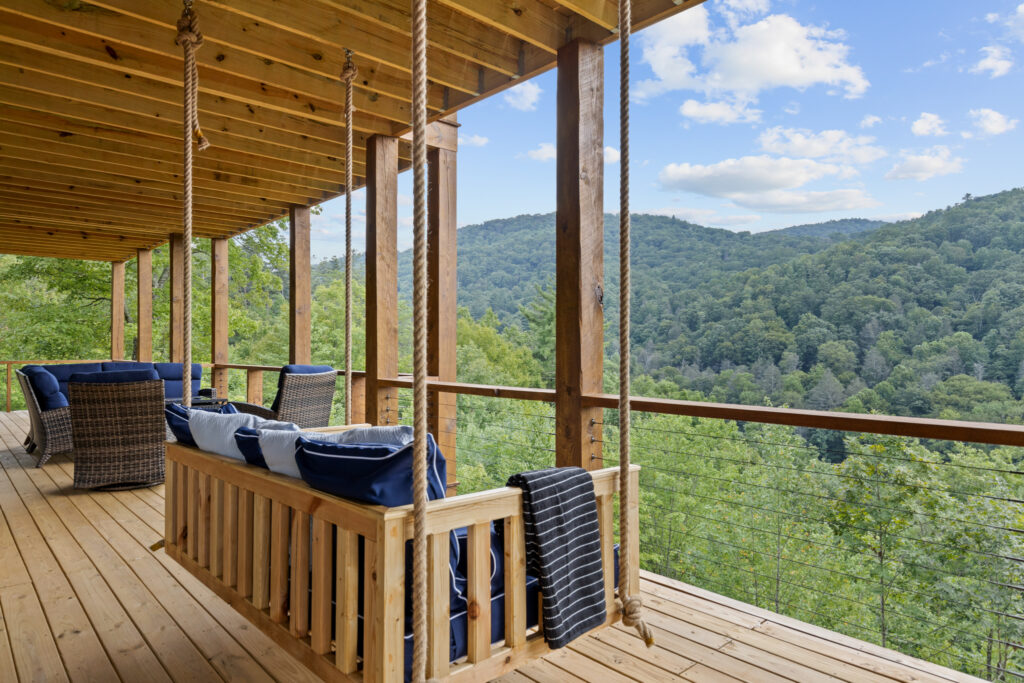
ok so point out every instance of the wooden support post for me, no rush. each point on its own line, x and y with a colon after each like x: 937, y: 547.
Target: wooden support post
x: 442, y: 315
x: 579, y: 249
x: 359, y: 399
x: 381, y: 278
x: 117, y: 310
x: 144, y: 305
x: 177, y: 332
x: 299, y: 288
x: 219, y: 314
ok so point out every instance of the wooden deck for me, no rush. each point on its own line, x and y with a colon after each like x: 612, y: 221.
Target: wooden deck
x: 83, y: 598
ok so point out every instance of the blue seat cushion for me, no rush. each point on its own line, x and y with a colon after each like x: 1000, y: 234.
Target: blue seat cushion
x: 45, y: 387
x: 125, y: 365
x: 64, y: 371
x: 114, y: 376
x: 379, y: 474
x: 296, y: 370
x: 178, y: 416
x: 170, y: 373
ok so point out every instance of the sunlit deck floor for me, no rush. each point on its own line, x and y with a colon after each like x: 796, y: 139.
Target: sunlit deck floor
x: 82, y: 597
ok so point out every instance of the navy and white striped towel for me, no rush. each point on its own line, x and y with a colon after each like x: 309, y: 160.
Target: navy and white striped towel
x: 563, y: 549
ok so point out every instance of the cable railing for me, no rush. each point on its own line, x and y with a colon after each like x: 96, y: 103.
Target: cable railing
x: 907, y: 532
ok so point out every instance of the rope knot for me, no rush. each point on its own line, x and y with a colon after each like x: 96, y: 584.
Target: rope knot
x: 349, y: 73
x: 632, y: 615
x: 188, y: 31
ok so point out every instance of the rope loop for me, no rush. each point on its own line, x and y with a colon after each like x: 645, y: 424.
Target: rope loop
x: 632, y: 610
x: 350, y: 72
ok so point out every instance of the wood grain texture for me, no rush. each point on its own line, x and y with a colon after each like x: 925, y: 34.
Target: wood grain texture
x: 579, y: 247
x: 117, y: 273
x: 381, y: 278
x: 176, y: 337
x: 219, y: 273
x: 144, y: 305
x: 300, y: 324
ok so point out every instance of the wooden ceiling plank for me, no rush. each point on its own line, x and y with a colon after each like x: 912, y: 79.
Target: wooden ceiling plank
x: 146, y: 221
x: 97, y: 226
x: 604, y: 13
x: 15, y: 231
x: 64, y: 129
x: 528, y: 20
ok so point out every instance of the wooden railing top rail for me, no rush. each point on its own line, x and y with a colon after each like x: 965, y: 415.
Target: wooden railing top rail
x: 895, y: 425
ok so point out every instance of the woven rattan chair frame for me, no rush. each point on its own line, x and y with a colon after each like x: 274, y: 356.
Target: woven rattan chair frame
x: 118, y: 434
x: 50, y: 430
x: 305, y: 400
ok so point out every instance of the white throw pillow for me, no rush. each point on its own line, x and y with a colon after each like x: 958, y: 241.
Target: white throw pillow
x: 279, y: 447
x: 215, y: 432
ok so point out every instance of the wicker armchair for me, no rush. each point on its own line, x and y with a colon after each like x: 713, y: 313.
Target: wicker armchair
x: 304, y: 399
x: 118, y: 433
x: 49, y: 430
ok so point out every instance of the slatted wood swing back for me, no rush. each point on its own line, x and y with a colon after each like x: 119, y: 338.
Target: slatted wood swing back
x: 287, y: 558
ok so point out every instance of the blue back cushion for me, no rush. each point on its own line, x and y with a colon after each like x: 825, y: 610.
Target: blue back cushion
x: 379, y: 474
x: 248, y: 441
x: 125, y: 365
x: 45, y: 387
x: 177, y: 419
x: 170, y: 373
x: 114, y: 376
x: 64, y: 371
x: 296, y: 370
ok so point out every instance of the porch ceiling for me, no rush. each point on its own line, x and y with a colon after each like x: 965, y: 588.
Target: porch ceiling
x: 90, y: 104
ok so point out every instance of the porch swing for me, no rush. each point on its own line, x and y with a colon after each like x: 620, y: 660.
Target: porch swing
x: 324, y: 576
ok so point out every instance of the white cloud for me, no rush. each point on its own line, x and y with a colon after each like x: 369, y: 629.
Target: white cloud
x: 719, y: 112
x: 793, y: 108
x: 929, y: 124
x: 831, y: 145
x: 799, y: 201
x: 996, y: 62
x: 738, y: 63
x: 992, y: 17
x: 611, y: 155
x: 524, y: 96
x: 546, y: 151
x: 735, y: 11
x: 937, y: 161
x: 991, y: 122
x: 1015, y: 22
x: 665, y: 51
x: 744, y: 175
x: 870, y: 121
x: 473, y: 140
x: 709, y: 217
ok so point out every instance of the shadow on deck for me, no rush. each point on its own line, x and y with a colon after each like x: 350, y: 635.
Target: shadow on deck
x: 82, y: 597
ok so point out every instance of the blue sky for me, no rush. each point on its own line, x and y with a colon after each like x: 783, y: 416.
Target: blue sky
x: 760, y: 114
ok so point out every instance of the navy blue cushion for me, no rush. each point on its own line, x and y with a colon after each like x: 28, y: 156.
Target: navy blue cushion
x: 177, y: 419
x: 114, y: 376
x: 170, y: 373
x: 248, y: 441
x: 296, y: 370
x: 45, y: 387
x: 64, y: 371
x: 125, y: 365
x: 379, y: 474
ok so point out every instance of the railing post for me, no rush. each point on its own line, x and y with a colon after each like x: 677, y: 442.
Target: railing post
x: 8, y: 387
x: 442, y: 313
x: 219, y: 314
x: 381, y: 278
x: 579, y: 249
x: 358, y: 399
x: 117, y: 269
x: 299, y: 290
x: 144, y: 306
x: 176, y: 245
x: 254, y: 386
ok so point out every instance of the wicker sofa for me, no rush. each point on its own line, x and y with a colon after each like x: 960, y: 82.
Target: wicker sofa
x: 46, y: 396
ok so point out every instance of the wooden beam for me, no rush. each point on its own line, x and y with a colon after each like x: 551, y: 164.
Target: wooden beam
x: 579, y: 249
x: 604, y: 13
x: 144, y: 306
x: 219, y: 248
x: 177, y: 296
x: 299, y: 287
x: 442, y: 314
x: 381, y: 278
x: 117, y: 310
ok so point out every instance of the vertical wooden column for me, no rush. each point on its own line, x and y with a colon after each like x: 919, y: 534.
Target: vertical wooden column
x: 579, y: 247
x: 442, y: 314
x: 219, y: 313
x: 381, y: 278
x: 117, y: 310
x: 177, y: 335
x: 300, y: 289
x: 144, y: 306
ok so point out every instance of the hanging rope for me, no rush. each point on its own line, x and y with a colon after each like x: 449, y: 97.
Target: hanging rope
x: 190, y: 40
x: 348, y: 75
x: 632, y: 605
x: 419, y: 470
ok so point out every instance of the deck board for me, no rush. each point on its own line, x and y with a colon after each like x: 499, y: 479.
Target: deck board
x: 82, y: 597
